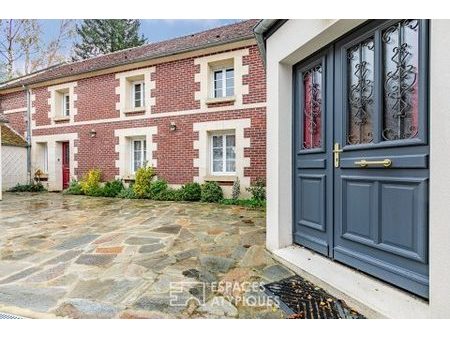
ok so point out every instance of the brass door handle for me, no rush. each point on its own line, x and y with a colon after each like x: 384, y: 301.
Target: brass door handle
x: 336, y: 154
x: 364, y: 163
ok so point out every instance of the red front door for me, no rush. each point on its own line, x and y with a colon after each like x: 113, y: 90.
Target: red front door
x: 65, y: 164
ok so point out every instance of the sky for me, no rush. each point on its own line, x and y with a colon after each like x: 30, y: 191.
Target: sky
x: 155, y: 30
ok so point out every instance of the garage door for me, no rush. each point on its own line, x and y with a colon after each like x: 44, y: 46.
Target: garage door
x: 361, y: 152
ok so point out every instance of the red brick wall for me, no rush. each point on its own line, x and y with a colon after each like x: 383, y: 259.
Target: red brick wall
x: 175, y: 150
x: 256, y: 78
x: 174, y: 91
x: 42, y: 108
x: 15, y: 100
x: 18, y: 122
x: 175, y: 86
x: 96, y: 98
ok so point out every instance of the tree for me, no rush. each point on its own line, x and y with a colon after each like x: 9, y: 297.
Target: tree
x: 53, y: 52
x: 100, y: 37
x: 24, y: 50
x: 10, y: 32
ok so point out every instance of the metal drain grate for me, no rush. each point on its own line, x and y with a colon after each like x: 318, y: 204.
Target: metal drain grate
x: 302, y: 299
x: 9, y: 316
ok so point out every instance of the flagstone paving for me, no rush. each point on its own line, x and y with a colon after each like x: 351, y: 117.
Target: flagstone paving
x: 82, y: 257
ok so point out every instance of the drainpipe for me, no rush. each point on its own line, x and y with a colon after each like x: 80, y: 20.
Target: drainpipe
x: 259, y: 31
x: 28, y: 138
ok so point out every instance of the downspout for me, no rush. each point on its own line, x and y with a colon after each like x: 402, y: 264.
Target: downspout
x: 28, y: 138
x: 260, y: 31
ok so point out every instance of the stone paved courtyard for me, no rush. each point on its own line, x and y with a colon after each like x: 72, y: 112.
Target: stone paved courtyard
x: 82, y: 257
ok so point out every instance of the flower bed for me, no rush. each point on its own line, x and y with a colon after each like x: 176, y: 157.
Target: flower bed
x: 148, y: 186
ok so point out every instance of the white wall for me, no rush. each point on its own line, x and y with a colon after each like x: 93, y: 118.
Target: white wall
x: 14, y: 166
x: 294, y: 41
x: 54, y: 153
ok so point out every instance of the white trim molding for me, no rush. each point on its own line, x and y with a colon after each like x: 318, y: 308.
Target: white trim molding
x: 56, y: 93
x: 123, y: 148
x: 204, y: 77
x: 124, y: 90
x: 54, y: 154
x: 159, y: 115
x: 205, y: 129
x: 14, y: 111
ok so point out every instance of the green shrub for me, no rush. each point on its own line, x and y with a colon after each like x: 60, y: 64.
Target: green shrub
x: 258, y: 190
x: 157, y: 190
x: 170, y: 194
x: 90, y: 184
x: 33, y: 187
x: 143, y: 182
x: 191, y: 192
x: 211, y: 192
x: 74, y: 188
x: 112, y: 188
x: 249, y: 203
x: 127, y: 193
x: 236, y: 189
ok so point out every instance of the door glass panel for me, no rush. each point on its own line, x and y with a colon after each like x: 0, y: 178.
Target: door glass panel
x: 360, y: 79
x: 400, y: 80
x: 312, y: 111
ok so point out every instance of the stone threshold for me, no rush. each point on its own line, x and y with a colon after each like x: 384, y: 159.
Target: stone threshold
x: 365, y: 294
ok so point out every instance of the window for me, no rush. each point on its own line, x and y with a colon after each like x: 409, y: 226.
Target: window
x: 223, y: 154
x: 66, y: 105
x: 138, y: 94
x: 45, y: 158
x: 138, y: 154
x: 224, y: 82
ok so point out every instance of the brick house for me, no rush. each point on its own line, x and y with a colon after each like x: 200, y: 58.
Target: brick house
x: 193, y: 107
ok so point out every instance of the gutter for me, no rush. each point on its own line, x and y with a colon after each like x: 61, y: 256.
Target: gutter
x: 263, y: 30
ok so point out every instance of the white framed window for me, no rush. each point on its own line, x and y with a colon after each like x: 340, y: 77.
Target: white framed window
x: 223, y: 154
x: 66, y: 104
x: 223, y: 82
x: 138, y: 154
x: 138, y: 94
x: 45, y: 158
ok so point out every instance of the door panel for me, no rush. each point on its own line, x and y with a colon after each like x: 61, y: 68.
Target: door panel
x: 65, y: 164
x: 368, y: 209
x: 312, y: 209
x: 312, y: 127
x: 381, y: 207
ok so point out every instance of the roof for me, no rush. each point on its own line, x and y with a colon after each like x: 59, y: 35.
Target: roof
x: 3, y: 118
x: 217, y: 36
x: 12, y: 138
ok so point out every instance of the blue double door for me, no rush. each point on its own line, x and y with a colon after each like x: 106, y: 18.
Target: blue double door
x: 361, y: 154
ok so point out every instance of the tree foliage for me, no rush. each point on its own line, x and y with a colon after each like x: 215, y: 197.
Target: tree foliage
x: 23, y: 48
x: 100, y: 37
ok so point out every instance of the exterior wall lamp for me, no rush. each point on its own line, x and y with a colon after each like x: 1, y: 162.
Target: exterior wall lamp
x: 173, y: 126
x: 93, y: 133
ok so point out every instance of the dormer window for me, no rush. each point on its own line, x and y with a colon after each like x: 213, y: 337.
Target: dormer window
x: 138, y: 94
x: 223, y: 82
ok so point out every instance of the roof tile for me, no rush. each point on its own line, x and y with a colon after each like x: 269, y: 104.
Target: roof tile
x: 220, y: 35
x: 11, y: 138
